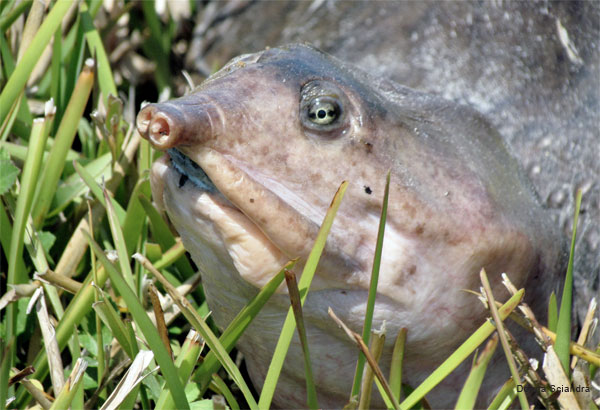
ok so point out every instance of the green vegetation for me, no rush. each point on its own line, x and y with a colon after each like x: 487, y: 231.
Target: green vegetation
x: 79, y: 232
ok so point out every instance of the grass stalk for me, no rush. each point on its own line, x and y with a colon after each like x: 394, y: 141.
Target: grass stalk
x: 499, y: 325
x: 119, y: 242
x: 185, y: 363
x: 376, y: 349
x: 367, y: 324
x: 563, y: 326
x: 396, y: 364
x: 68, y: 392
x: 552, y: 312
x: 28, y: 180
x: 505, y: 396
x: 113, y: 321
x: 63, y: 141
x: 382, y: 384
x: 468, y: 394
x: 221, y: 387
x: 311, y: 391
x: 105, y: 76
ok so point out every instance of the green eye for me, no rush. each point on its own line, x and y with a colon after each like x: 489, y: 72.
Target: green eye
x: 323, y: 111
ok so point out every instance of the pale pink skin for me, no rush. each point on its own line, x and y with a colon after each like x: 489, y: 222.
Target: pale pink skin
x: 457, y: 204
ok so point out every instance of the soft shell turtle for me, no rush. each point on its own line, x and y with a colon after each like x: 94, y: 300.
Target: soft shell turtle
x: 254, y: 157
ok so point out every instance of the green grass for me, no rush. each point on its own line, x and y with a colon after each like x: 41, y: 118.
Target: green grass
x: 74, y: 186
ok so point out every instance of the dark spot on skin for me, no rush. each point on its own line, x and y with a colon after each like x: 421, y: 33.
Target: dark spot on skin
x: 409, y: 209
x: 419, y: 229
x: 368, y: 190
x: 251, y: 200
x: 343, y: 292
x: 369, y: 147
x: 412, y: 270
x: 182, y: 180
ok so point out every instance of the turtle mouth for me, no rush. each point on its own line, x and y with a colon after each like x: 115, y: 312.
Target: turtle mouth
x: 190, y: 171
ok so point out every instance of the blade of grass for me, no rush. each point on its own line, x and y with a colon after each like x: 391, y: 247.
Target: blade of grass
x: 383, y: 386
x: 74, y: 187
x: 577, y: 350
x: 468, y: 394
x: 200, y: 325
x: 10, y: 17
x: 376, y: 349
x: 238, y: 325
x: 38, y: 394
x: 552, y: 312
x: 128, y: 383
x: 499, y: 325
x: 75, y: 43
x: 51, y: 346
x: 145, y: 325
x: 460, y: 354
x: 157, y: 46
x: 24, y: 204
x: 113, y: 321
x: 135, y: 216
x: 67, y: 394
x: 160, y: 318
x: 119, y: 242
x: 222, y: 389
x: 563, y: 326
x: 162, y: 234
x: 287, y: 330
x: 98, y: 193
x: 18, y: 79
x: 100, y: 357
x: 505, y: 396
x: 105, y: 76
x: 311, y: 391
x: 186, y: 361
x: 56, y: 72
x: 396, y: 363
x: 60, y: 281
x: 585, y: 328
x: 32, y: 25
x: 63, y: 141
x: 5, y: 237
x: 360, y: 365
x: 169, y: 257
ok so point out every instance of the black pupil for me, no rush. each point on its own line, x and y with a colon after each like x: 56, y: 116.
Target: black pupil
x: 322, y: 113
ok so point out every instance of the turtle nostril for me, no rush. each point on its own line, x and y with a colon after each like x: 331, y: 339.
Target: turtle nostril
x: 144, y: 118
x: 161, y: 133
x: 159, y: 129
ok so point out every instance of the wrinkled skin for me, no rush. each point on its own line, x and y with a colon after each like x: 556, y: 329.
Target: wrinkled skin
x: 458, y: 203
x: 531, y: 67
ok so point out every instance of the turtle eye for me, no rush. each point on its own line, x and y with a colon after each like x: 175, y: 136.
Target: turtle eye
x: 323, y: 110
x: 323, y: 107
